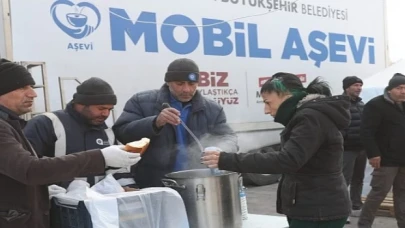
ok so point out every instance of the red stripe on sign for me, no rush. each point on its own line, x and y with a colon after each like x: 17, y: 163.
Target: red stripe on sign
x: 263, y: 80
x: 302, y: 77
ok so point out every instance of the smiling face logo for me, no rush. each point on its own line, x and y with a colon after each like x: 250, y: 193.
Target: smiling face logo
x: 77, y: 20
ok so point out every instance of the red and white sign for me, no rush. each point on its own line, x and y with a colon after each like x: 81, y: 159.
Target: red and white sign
x: 263, y: 80
x: 216, y: 86
x: 303, y: 77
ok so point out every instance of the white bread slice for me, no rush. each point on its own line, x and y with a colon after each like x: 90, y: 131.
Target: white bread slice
x: 139, y: 146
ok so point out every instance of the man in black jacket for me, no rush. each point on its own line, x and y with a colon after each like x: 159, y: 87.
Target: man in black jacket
x: 383, y: 134
x: 172, y: 148
x: 354, y: 157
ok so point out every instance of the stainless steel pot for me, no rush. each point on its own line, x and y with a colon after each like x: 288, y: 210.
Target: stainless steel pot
x: 211, y: 199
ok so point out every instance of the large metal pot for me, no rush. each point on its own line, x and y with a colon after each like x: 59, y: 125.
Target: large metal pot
x: 211, y: 198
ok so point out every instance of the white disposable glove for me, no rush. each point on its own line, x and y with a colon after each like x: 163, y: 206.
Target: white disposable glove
x: 55, y: 190
x: 115, y: 156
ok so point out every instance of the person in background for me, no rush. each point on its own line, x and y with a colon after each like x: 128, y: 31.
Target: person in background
x: 80, y: 126
x: 172, y: 148
x: 24, y: 177
x: 312, y: 192
x: 354, y: 156
x: 383, y: 134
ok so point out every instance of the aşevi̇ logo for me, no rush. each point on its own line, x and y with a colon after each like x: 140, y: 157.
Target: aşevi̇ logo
x: 76, y: 20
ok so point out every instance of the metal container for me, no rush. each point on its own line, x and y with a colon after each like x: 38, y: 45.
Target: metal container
x: 211, y: 198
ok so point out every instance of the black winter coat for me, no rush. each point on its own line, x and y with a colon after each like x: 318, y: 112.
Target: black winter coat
x: 313, y: 187
x: 206, y: 120
x: 383, y: 131
x: 352, y: 133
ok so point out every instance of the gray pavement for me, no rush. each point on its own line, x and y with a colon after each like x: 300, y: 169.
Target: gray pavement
x: 262, y: 200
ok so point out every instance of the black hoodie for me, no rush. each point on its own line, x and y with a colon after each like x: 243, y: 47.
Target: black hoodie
x: 313, y: 187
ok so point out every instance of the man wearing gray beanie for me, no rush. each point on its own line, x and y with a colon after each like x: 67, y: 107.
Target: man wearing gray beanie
x: 25, y: 174
x: 158, y: 114
x: 383, y: 135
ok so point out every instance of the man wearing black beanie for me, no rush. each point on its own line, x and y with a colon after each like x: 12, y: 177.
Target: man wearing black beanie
x: 25, y: 174
x: 157, y: 114
x: 383, y: 135
x: 354, y: 156
x: 95, y: 91
x: 81, y: 123
x: 14, y: 77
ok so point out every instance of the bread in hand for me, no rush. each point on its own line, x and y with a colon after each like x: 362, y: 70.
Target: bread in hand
x: 139, y: 146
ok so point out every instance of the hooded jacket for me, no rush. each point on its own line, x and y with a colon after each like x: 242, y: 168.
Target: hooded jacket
x: 313, y: 187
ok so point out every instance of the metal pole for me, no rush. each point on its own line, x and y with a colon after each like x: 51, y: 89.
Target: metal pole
x: 7, y: 30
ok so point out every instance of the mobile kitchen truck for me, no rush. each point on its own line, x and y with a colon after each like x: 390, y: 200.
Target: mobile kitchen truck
x: 238, y: 45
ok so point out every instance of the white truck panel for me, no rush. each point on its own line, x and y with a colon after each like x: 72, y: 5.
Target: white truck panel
x: 2, y: 37
x: 5, y: 30
x: 130, y: 44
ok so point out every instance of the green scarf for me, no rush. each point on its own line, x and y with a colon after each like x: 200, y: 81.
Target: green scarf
x: 287, y: 109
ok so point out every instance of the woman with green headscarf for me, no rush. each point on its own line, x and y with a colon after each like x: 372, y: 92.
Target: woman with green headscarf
x: 312, y: 192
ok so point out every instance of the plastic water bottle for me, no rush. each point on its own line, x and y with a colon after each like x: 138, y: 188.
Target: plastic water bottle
x: 243, y: 200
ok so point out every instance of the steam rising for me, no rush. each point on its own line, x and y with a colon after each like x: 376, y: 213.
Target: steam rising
x: 245, y: 141
x: 225, y: 142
